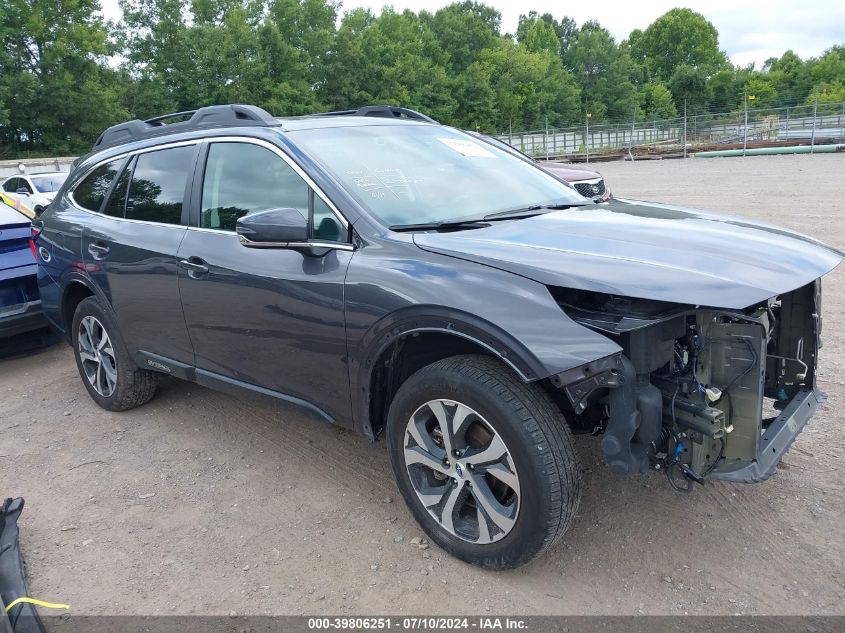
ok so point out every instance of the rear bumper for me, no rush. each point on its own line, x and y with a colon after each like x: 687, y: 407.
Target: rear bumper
x: 775, y: 441
x: 25, y: 318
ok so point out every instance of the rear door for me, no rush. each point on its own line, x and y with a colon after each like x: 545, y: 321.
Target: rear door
x: 266, y: 317
x: 130, y: 244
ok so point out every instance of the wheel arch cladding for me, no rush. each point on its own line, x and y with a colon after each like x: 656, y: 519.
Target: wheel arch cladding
x: 416, y: 343
x: 454, y: 307
x: 75, y: 292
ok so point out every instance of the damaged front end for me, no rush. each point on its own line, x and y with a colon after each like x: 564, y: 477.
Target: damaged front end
x: 699, y: 392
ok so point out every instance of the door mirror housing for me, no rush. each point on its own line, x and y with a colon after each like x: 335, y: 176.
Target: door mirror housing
x: 273, y: 228
x: 22, y: 191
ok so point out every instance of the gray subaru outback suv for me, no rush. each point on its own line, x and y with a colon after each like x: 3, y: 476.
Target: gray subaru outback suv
x: 380, y: 271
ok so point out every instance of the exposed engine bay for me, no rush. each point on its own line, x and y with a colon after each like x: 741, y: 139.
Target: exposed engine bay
x: 697, y: 392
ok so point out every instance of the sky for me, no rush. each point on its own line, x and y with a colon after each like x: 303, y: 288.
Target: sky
x: 750, y: 31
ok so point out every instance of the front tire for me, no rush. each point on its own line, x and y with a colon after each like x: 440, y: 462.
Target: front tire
x: 109, y: 374
x: 485, y: 462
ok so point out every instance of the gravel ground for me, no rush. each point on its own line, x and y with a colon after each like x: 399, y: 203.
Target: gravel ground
x: 202, y: 503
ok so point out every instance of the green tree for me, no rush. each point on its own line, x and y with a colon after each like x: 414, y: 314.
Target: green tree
x: 830, y: 67
x: 689, y: 85
x: 529, y: 87
x: 348, y: 63
x: 790, y: 76
x: 603, y: 70
x: 58, y: 92
x: 827, y: 92
x: 763, y: 93
x: 463, y: 30
x: 680, y: 36
x: 727, y: 88
x: 537, y: 35
x: 656, y: 102
x: 476, y: 103
x: 394, y: 58
x: 567, y: 32
x: 269, y: 52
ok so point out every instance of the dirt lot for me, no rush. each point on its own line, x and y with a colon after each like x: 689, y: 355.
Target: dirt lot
x: 201, y: 503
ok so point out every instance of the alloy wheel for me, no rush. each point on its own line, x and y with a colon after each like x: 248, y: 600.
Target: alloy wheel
x: 96, y: 353
x: 461, y: 471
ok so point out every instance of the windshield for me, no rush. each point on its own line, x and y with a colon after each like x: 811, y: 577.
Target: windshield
x: 412, y: 174
x: 47, y: 184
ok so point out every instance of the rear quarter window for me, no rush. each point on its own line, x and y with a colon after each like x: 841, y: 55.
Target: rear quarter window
x: 116, y: 204
x: 90, y: 193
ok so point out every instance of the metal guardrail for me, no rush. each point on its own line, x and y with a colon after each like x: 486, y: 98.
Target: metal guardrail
x: 795, y: 123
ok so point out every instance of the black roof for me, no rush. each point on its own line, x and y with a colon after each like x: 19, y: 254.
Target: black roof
x: 232, y: 115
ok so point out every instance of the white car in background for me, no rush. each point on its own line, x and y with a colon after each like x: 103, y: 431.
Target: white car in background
x: 34, y: 190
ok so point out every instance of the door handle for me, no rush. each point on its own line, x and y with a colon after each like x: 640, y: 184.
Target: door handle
x: 98, y: 251
x: 195, y: 266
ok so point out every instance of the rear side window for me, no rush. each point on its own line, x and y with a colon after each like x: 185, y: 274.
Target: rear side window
x: 116, y: 204
x: 90, y: 193
x: 157, y: 190
x: 242, y: 178
x: 48, y: 184
x: 11, y: 185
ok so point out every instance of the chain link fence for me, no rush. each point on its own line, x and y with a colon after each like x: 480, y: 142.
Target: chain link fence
x: 756, y: 127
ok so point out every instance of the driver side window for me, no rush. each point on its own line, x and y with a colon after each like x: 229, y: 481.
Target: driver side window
x: 243, y: 178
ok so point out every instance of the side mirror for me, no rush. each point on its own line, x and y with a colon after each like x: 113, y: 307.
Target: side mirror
x: 274, y: 228
x: 22, y: 191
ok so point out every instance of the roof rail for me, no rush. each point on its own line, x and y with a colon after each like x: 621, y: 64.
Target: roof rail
x: 232, y: 115
x: 383, y: 111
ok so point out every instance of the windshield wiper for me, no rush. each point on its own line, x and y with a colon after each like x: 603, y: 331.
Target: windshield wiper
x: 482, y: 221
x: 536, y: 209
x: 473, y: 223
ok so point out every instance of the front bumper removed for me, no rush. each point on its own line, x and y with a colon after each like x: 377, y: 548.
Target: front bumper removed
x: 774, y: 442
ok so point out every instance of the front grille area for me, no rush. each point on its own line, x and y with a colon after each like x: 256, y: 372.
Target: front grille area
x: 589, y: 190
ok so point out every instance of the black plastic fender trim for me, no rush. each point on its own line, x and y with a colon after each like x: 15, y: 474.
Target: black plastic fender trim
x: 579, y: 382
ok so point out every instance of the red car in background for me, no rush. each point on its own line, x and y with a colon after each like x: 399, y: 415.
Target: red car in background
x: 587, y: 182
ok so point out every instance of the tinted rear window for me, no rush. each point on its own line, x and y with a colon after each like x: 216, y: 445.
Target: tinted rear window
x: 158, y: 185
x: 90, y: 193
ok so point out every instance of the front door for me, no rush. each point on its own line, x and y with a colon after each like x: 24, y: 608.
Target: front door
x: 269, y: 318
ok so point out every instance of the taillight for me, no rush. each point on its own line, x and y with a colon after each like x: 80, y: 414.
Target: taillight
x: 36, y: 231
x: 32, y: 246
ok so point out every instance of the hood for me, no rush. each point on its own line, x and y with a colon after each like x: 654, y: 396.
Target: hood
x: 570, y: 174
x: 646, y: 250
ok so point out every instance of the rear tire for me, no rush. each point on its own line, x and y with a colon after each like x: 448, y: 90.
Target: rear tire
x: 109, y: 374
x: 506, y: 484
